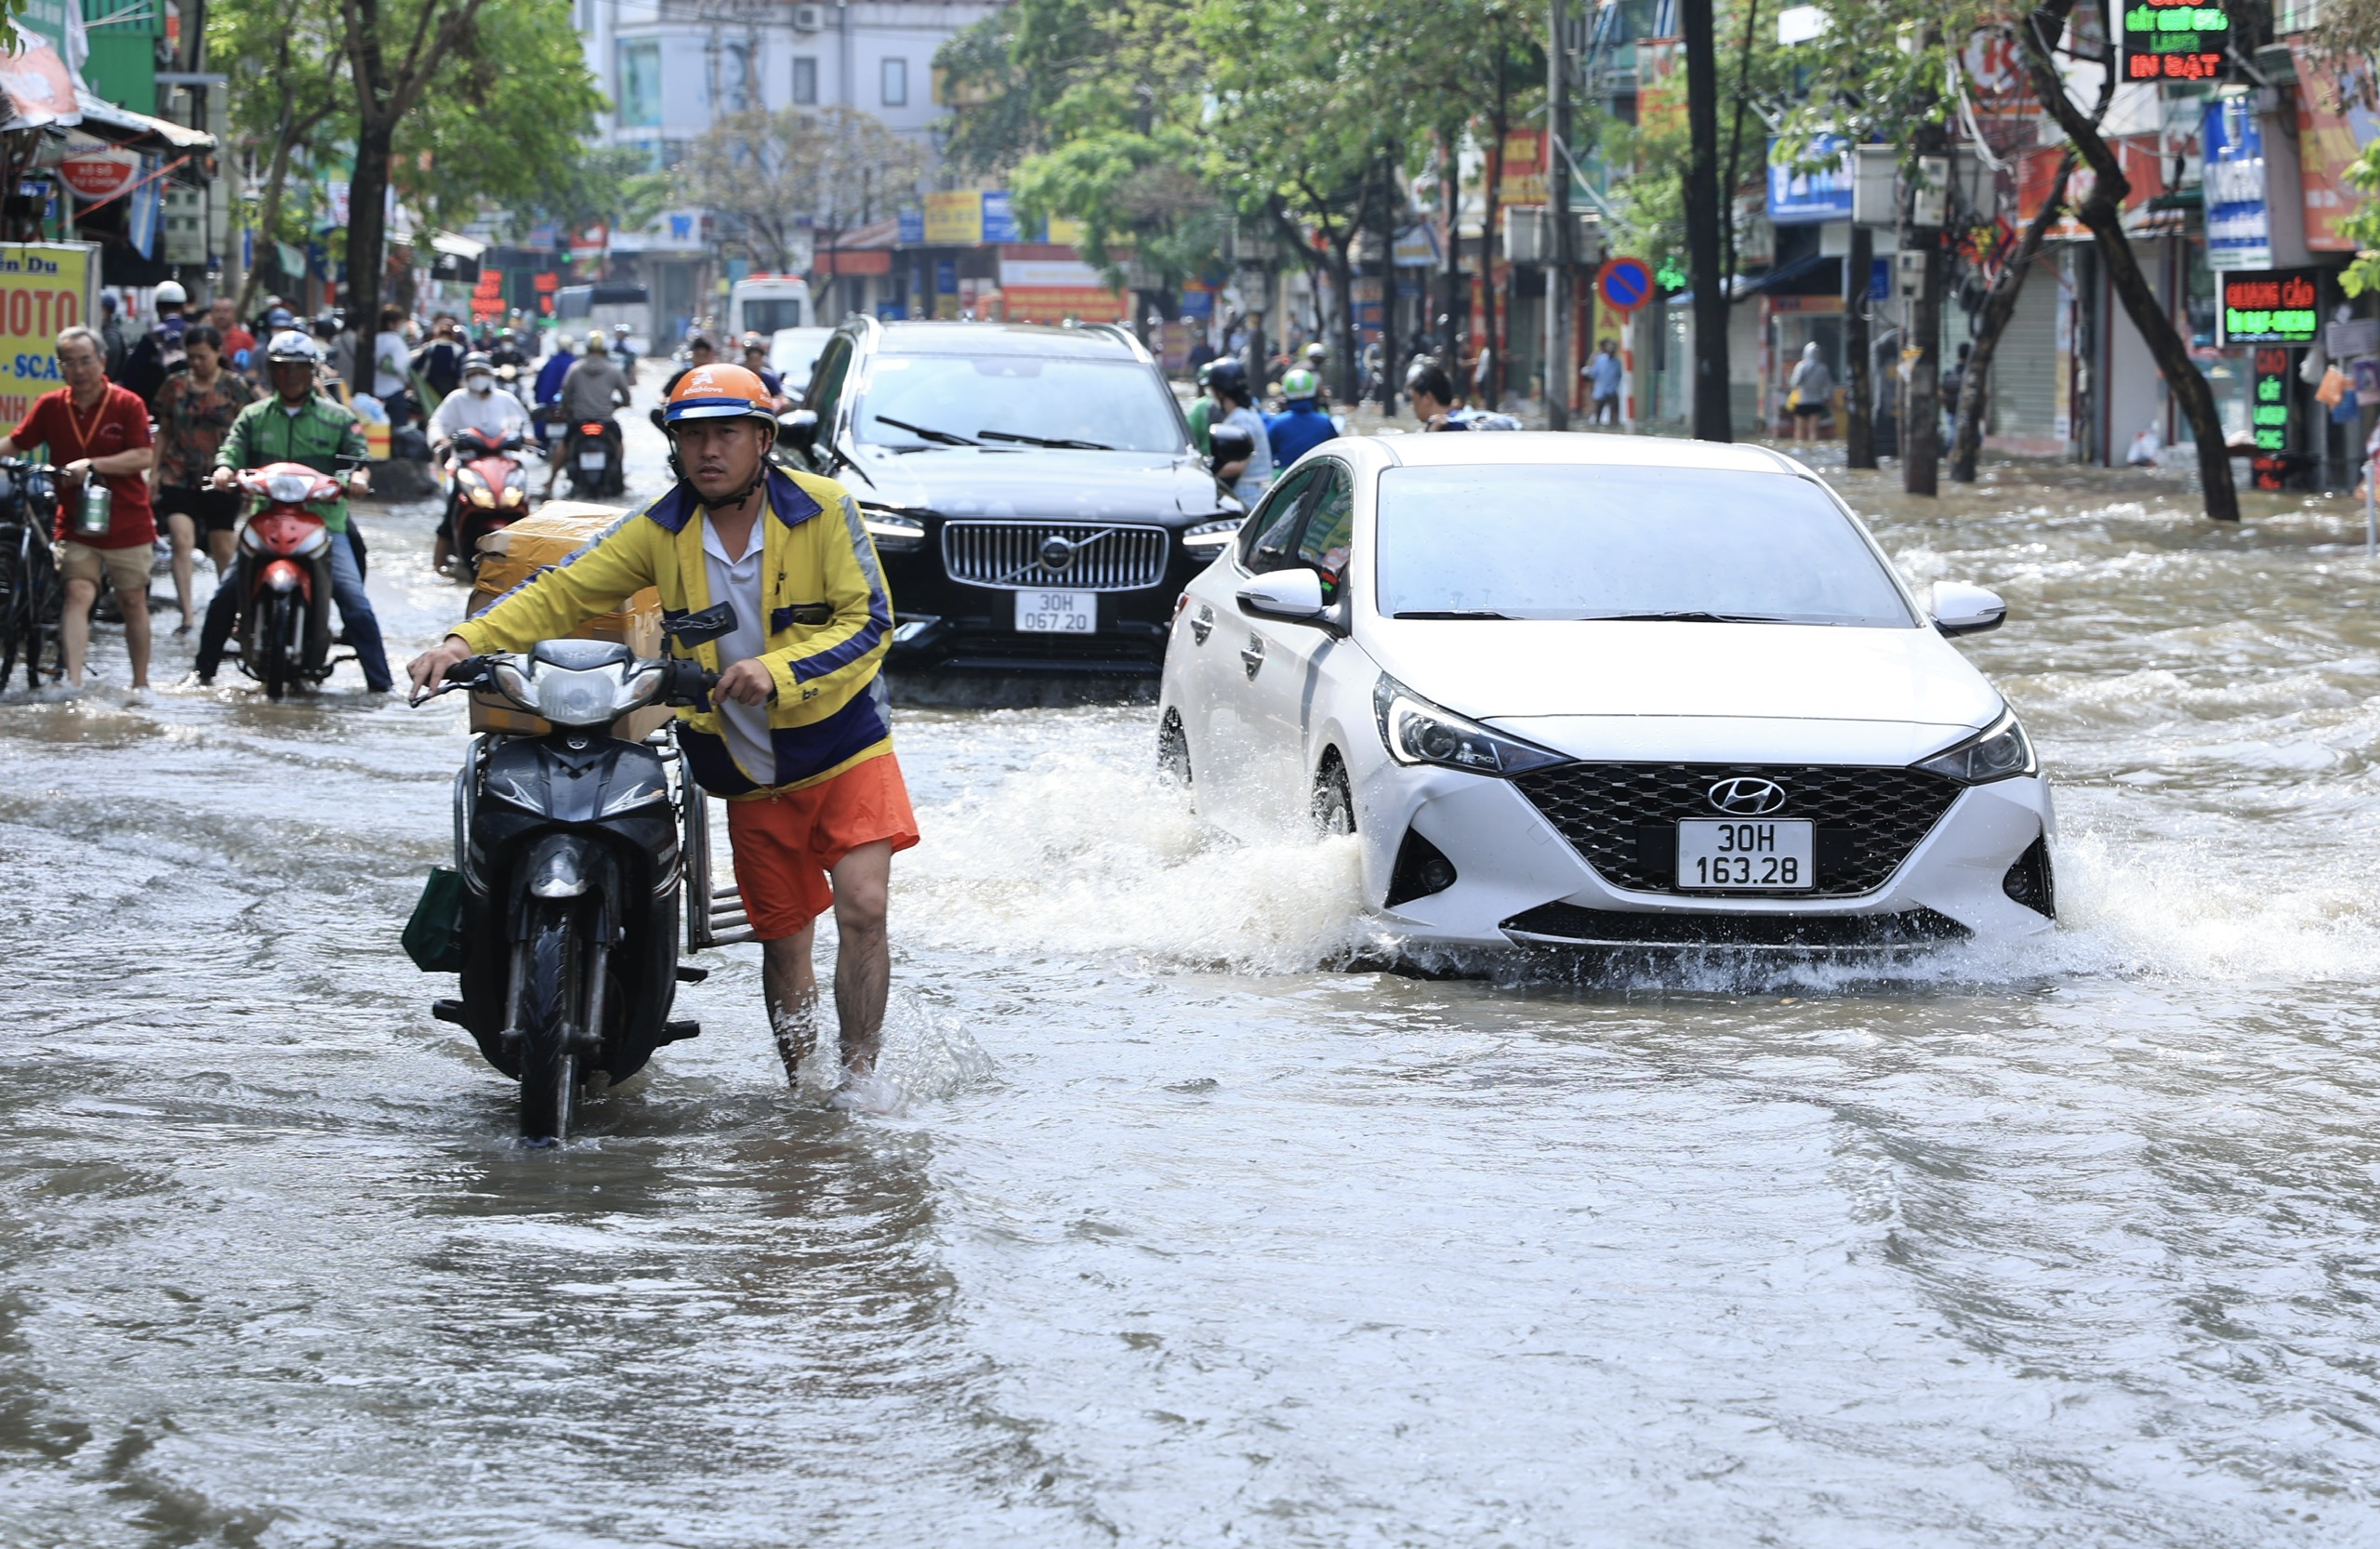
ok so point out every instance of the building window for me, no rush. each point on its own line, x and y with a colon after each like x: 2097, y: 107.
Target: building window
x: 640, y: 86
x: 805, y: 82
x: 897, y: 83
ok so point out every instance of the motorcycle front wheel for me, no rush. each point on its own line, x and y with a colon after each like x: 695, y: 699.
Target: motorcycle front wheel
x: 277, y: 654
x: 550, y: 1018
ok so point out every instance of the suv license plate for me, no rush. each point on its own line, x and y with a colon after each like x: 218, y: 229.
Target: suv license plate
x: 1753, y: 854
x: 1057, y: 613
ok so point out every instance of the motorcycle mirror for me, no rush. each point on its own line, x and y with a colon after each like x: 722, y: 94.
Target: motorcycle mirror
x: 798, y: 428
x: 693, y: 629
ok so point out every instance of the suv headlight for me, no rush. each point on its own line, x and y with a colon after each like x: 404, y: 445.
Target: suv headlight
x: 2001, y: 751
x: 1414, y: 731
x: 1208, y: 538
x: 894, y: 532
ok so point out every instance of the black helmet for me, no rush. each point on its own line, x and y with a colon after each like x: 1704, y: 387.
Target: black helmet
x: 1230, y: 375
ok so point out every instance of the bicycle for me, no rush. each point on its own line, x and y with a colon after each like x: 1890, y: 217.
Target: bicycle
x: 33, y: 598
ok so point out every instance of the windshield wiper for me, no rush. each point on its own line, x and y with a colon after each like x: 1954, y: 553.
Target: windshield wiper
x: 1681, y: 616
x: 945, y: 438
x: 1062, y: 443
x: 1455, y: 613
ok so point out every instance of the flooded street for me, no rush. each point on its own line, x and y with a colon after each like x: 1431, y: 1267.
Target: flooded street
x: 1191, y: 1233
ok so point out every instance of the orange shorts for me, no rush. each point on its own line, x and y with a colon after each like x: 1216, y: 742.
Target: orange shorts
x: 787, y: 842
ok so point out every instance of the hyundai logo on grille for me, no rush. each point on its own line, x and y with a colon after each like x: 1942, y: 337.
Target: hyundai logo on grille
x: 1056, y: 552
x: 1747, y: 797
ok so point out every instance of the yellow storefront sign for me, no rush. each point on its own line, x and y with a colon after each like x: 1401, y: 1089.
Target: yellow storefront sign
x: 44, y: 286
x: 954, y: 219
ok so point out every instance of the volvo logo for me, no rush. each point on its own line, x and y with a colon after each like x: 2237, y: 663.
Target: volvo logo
x: 1748, y: 796
x: 1056, y: 552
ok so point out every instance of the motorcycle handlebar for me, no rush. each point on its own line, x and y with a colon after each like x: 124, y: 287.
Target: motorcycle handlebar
x: 684, y: 682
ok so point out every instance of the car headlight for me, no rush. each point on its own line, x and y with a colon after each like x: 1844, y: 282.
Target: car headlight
x: 1209, y: 537
x: 1414, y: 731
x: 2001, y: 751
x: 894, y: 532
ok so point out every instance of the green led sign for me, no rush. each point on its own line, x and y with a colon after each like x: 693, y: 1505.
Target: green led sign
x: 2269, y: 306
x: 2174, y: 40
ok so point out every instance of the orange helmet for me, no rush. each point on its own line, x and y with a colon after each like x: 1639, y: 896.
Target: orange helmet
x: 720, y: 392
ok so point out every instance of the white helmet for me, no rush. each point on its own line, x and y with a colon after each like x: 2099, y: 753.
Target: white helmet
x: 291, y: 345
x: 170, y: 294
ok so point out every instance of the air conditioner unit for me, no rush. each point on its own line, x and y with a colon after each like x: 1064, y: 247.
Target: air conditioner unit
x: 809, y: 19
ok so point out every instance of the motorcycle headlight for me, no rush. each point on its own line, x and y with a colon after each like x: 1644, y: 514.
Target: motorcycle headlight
x: 894, y: 532
x: 513, y: 496
x: 1208, y: 538
x: 471, y: 478
x: 483, y: 496
x: 288, y: 489
x: 2001, y: 751
x: 1414, y: 731
x: 569, y: 698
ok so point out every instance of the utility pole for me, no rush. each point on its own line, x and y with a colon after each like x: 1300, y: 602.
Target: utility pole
x: 1712, y: 419
x: 1858, y: 399
x: 1921, y: 428
x: 1558, y: 212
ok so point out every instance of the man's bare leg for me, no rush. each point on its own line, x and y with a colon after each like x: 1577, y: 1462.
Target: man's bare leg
x: 134, y: 606
x: 789, y: 987
x: 75, y: 626
x: 863, y: 956
x: 184, y: 533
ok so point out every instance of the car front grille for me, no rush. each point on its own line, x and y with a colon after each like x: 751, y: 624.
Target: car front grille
x: 1790, y: 933
x: 1623, y: 817
x: 1010, y: 554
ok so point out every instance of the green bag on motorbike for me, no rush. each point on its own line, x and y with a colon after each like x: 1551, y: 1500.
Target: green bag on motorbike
x: 433, y: 936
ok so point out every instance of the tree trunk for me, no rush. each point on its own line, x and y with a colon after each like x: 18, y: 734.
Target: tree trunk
x: 1494, y: 375
x: 1966, y: 442
x: 269, y: 210
x: 1558, y: 373
x: 1390, y: 208
x: 1342, y: 373
x: 1455, y: 307
x: 1712, y: 419
x: 367, y: 227
x: 2103, y: 213
x: 1859, y: 397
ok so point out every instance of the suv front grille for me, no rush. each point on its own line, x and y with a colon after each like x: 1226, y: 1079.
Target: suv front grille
x: 1010, y: 554
x: 1623, y: 817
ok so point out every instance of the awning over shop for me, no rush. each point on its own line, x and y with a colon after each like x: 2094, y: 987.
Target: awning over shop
x: 137, y: 131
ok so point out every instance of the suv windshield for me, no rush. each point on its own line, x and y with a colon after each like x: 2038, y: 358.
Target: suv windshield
x: 1663, y: 543
x: 915, y: 401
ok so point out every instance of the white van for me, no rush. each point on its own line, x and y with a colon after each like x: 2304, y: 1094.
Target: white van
x: 763, y: 304
x: 581, y: 308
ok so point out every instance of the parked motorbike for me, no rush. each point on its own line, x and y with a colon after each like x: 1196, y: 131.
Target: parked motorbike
x: 592, y: 447
x: 283, y: 634
x: 488, y: 492
x: 575, y: 848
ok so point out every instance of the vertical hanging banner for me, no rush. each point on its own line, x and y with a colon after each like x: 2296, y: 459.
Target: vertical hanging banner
x: 44, y: 286
x: 2268, y: 416
x: 2238, y: 227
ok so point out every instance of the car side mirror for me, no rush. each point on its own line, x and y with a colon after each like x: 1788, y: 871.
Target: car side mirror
x: 1960, y: 609
x: 799, y: 429
x: 1292, y: 596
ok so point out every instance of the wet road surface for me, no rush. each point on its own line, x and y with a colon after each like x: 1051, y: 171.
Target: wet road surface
x: 1189, y: 1233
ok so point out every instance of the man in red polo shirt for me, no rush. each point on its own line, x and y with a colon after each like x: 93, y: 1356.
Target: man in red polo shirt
x: 94, y: 427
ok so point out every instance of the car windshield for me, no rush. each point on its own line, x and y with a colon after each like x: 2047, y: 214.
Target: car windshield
x: 1010, y: 401
x: 1660, y: 543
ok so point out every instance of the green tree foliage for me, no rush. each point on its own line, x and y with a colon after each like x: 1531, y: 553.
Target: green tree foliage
x: 505, y: 120
x: 993, y: 125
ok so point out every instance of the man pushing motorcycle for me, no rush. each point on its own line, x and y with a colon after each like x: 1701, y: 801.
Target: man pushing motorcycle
x: 795, y: 736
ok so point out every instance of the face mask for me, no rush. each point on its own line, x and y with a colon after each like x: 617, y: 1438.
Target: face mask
x: 480, y: 385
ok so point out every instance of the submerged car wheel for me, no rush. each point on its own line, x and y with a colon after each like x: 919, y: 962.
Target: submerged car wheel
x: 1173, y: 749
x: 1334, y: 804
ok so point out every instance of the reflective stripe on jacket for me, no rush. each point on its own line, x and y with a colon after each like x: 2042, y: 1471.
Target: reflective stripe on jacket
x: 830, y: 622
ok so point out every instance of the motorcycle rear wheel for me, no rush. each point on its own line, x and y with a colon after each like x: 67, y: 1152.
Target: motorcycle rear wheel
x: 550, y: 1018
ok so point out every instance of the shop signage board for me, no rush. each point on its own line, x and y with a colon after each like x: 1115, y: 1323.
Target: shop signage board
x: 2268, y: 307
x: 2174, y: 40
x: 92, y: 172
x: 44, y: 286
x: 1803, y: 198
x: 2239, y: 225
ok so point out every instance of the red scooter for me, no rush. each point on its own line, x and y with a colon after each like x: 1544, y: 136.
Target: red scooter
x: 489, y: 492
x: 283, y: 628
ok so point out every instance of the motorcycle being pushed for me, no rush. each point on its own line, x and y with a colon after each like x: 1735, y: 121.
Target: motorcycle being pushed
x: 489, y: 491
x: 593, y: 448
x: 283, y: 634
x: 573, y: 848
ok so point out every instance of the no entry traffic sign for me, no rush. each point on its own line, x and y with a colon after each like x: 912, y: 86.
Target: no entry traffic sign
x: 1625, y: 284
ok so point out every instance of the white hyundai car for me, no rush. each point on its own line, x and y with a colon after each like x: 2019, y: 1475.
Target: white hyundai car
x: 1606, y: 691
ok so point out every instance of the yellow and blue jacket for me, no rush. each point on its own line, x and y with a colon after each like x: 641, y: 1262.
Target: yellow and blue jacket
x: 830, y: 622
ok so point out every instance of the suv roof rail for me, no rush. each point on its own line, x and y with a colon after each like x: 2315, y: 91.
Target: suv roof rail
x: 1130, y: 339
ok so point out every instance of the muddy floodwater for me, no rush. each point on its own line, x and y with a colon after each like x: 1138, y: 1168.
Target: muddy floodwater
x: 1189, y: 1232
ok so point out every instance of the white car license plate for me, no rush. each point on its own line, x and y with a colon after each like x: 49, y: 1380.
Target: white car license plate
x: 1057, y: 613
x: 1750, y: 854
x: 593, y: 462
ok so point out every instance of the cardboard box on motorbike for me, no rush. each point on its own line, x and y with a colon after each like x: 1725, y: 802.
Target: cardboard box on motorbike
x: 511, y: 556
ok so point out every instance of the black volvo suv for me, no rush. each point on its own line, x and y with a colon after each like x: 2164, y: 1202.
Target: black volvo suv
x: 1033, y: 491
